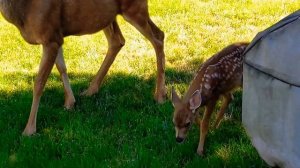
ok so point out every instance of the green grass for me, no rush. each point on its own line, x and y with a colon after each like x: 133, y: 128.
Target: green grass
x: 122, y: 126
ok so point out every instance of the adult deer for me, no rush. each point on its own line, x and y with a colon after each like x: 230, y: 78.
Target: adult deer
x: 48, y: 22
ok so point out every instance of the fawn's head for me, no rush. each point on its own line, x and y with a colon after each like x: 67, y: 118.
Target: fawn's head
x: 184, y: 113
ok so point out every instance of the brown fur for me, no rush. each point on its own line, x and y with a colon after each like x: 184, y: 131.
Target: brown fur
x: 218, y: 76
x: 48, y: 22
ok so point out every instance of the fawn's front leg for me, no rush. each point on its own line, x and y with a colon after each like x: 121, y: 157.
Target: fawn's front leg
x: 204, y: 125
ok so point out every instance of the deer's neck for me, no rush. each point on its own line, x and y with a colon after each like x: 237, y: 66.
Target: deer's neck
x: 14, y: 11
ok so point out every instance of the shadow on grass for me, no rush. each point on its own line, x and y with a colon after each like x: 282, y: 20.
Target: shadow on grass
x: 120, y: 125
x: 119, y: 91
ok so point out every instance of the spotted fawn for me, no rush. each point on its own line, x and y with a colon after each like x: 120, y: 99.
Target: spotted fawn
x: 217, y: 77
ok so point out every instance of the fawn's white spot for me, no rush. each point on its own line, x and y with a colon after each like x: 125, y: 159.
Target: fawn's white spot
x: 207, y: 86
x: 207, y: 76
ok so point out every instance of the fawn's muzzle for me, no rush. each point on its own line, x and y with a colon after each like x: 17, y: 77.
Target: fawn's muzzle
x: 179, y: 139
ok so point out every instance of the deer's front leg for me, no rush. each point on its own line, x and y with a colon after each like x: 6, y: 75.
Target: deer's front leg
x: 50, y: 51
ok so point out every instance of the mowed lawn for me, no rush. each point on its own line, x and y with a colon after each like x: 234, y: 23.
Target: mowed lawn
x: 122, y: 125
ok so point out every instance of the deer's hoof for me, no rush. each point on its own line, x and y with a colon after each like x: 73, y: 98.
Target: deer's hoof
x: 161, y: 96
x: 88, y: 92
x: 29, y: 131
x: 69, y: 103
x: 200, y: 152
x: 160, y: 99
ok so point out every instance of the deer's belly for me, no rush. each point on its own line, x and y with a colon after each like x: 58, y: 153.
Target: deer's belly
x: 85, y: 17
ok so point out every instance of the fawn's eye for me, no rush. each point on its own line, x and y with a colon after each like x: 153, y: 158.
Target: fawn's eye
x: 187, y: 125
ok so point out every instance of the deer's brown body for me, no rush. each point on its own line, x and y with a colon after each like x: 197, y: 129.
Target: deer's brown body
x: 48, y: 22
x: 218, y: 76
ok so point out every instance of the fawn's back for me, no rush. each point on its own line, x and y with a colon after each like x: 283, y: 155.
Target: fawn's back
x: 221, y: 73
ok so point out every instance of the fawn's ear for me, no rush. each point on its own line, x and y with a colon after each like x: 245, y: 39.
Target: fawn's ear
x: 175, y: 97
x: 195, y: 100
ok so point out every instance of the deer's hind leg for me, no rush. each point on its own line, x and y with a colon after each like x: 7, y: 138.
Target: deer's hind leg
x: 61, y: 66
x: 137, y: 15
x: 115, y: 42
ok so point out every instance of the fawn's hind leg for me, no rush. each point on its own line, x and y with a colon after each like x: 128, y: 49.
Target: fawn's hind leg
x: 225, y: 102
